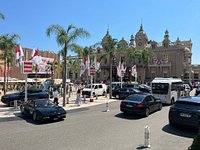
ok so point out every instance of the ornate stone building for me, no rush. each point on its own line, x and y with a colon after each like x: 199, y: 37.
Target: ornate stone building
x: 169, y: 59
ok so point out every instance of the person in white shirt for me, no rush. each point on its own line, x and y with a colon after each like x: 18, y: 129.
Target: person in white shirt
x: 55, y: 96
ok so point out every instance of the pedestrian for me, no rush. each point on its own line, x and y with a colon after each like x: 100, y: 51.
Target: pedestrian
x: 55, y: 96
x: 78, y: 97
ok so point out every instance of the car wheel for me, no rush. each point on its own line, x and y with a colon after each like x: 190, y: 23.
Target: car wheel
x: 22, y: 109
x: 147, y: 112
x: 172, y: 101
x: 34, y: 116
x: 160, y: 107
x: 93, y: 94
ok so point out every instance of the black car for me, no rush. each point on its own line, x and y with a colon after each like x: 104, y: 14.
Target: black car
x: 141, y: 104
x: 197, y: 91
x: 32, y: 93
x: 42, y: 110
x: 125, y: 92
x: 139, y: 87
x: 185, y: 111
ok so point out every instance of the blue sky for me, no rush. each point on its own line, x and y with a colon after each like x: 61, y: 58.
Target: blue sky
x: 30, y: 19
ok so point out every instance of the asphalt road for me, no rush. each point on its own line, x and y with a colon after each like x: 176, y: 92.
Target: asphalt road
x: 94, y: 129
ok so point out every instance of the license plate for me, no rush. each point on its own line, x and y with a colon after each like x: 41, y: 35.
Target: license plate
x: 55, y: 118
x: 185, y: 115
x: 129, y: 105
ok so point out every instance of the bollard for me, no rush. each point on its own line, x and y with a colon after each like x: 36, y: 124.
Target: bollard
x: 107, y: 106
x: 146, y: 137
x: 91, y: 99
x: 84, y: 98
x: 106, y: 94
x: 96, y: 96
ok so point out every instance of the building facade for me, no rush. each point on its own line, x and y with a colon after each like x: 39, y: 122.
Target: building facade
x: 17, y: 72
x: 168, y: 59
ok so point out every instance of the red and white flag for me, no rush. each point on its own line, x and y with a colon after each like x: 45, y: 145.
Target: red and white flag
x: 134, y: 71
x: 83, y: 66
x: 17, y: 56
x: 21, y: 55
x: 35, y: 57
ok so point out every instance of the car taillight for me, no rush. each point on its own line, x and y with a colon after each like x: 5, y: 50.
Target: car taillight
x: 121, y: 104
x: 140, y: 105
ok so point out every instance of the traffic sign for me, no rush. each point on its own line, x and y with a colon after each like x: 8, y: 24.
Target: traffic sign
x: 92, y: 71
x: 27, y: 67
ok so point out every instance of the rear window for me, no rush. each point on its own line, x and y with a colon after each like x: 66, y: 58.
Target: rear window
x: 188, y: 105
x: 136, y: 98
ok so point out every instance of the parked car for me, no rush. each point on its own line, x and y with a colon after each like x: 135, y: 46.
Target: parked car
x: 42, y: 110
x: 185, y: 111
x: 139, y: 87
x: 32, y: 93
x: 97, y: 89
x: 141, y: 104
x: 125, y: 92
x: 197, y: 91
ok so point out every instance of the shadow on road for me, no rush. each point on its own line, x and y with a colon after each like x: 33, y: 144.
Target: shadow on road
x: 180, y: 131
x: 128, y: 116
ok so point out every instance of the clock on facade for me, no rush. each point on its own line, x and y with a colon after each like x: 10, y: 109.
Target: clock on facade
x: 140, y: 44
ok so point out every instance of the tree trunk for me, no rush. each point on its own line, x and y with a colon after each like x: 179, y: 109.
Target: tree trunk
x: 7, y: 77
x: 64, y: 76
x: 110, y: 88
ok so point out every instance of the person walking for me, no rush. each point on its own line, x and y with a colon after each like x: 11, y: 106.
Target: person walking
x: 78, y: 97
x: 55, y: 96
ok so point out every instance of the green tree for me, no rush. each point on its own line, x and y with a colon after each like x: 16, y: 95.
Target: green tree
x: 7, y: 44
x: 109, y: 44
x: 140, y: 57
x: 66, y: 39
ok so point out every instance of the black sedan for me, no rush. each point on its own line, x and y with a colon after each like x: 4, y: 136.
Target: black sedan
x: 32, y: 93
x: 141, y: 104
x: 125, y: 92
x: 42, y: 109
x: 185, y: 111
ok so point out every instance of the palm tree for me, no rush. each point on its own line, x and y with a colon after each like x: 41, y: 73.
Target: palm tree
x: 109, y: 44
x: 7, y: 44
x: 66, y: 38
x: 2, y: 16
x: 140, y: 56
x: 10, y: 59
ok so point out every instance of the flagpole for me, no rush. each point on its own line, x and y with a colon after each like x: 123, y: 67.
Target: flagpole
x: 26, y: 80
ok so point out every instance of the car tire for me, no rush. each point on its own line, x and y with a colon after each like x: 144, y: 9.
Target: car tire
x: 147, y: 112
x: 160, y: 107
x: 172, y: 101
x: 34, y: 116
x: 22, y: 109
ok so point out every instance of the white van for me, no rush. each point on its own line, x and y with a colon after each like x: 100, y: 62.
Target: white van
x: 166, y: 89
x: 97, y: 89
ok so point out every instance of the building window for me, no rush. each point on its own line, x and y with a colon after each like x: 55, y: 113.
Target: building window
x: 153, y: 46
x: 196, y: 76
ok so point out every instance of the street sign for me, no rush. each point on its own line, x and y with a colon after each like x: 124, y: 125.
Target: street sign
x: 92, y: 71
x: 27, y: 67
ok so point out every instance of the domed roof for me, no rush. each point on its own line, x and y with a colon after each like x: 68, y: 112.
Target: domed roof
x: 122, y: 44
x: 106, y: 37
x: 141, y: 33
x: 122, y: 41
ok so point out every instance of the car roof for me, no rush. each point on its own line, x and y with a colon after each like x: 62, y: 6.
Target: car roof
x: 194, y: 99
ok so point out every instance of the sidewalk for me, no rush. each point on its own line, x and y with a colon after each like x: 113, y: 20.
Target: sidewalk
x: 6, y: 111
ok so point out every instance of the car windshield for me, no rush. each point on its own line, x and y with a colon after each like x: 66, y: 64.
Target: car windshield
x: 160, y: 88
x: 44, y: 103
x: 89, y: 86
x: 136, y: 98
